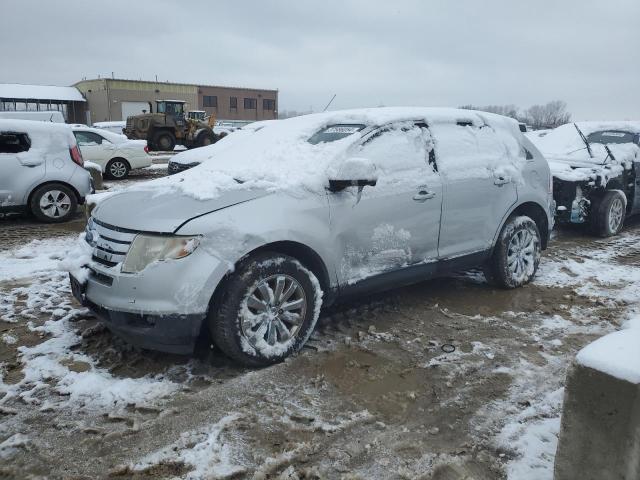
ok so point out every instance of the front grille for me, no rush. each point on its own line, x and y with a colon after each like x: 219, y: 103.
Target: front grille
x: 110, y: 244
x: 129, y: 124
x: 175, y: 167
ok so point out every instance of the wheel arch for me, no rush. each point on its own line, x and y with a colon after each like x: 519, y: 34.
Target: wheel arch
x: 118, y: 158
x: 537, y: 213
x: 53, y: 182
x: 307, y: 256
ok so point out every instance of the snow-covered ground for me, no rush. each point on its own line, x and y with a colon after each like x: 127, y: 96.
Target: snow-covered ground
x: 445, y: 377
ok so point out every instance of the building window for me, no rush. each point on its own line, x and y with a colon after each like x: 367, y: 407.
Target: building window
x: 268, y: 104
x: 250, y: 104
x: 210, y: 101
x: 233, y: 102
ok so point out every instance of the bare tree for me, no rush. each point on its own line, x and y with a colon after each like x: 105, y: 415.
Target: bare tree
x: 506, y: 110
x: 551, y: 115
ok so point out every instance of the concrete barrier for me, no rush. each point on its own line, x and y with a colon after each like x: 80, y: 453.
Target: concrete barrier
x: 600, y: 428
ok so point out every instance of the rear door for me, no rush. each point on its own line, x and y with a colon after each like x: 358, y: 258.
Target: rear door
x: 20, y: 168
x: 478, y: 190
x: 395, y: 223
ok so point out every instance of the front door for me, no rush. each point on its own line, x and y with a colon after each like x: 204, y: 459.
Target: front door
x: 395, y: 223
x: 94, y: 148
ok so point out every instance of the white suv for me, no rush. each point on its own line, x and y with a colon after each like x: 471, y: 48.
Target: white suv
x: 307, y: 211
x: 41, y: 170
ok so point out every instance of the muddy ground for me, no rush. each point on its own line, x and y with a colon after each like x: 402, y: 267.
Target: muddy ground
x: 442, y: 380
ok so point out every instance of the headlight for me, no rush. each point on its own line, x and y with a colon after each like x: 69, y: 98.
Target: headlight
x: 147, y: 249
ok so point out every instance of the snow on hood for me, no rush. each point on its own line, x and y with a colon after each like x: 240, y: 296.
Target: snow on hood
x: 568, y: 156
x: 163, y: 212
x: 279, y: 157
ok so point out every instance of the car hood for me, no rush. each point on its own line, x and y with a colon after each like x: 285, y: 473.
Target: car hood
x: 163, y: 212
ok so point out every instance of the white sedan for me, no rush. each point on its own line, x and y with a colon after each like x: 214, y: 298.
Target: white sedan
x: 115, y: 154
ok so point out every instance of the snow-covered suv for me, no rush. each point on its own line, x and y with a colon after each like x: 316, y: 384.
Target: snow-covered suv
x: 307, y: 211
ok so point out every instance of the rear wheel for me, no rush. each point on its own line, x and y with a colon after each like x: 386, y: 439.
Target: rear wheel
x: 516, y: 256
x: 608, y: 214
x: 164, y: 141
x: 53, y: 203
x: 205, y: 138
x: 117, y: 168
x: 268, y: 310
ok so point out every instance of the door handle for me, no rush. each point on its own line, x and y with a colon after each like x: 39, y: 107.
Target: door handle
x: 423, y: 195
x: 500, y: 180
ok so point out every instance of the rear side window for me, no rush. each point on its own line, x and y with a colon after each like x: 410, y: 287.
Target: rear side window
x: 334, y: 132
x: 14, y: 142
x: 88, y: 138
x: 611, y: 136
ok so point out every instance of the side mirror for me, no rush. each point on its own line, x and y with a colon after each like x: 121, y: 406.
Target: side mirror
x: 353, y: 172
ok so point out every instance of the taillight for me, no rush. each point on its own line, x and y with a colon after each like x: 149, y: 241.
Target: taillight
x: 76, y: 156
x: 146, y: 149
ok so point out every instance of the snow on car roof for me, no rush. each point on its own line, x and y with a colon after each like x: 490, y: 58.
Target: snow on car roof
x: 40, y: 92
x: 279, y: 157
x: 44, y: 136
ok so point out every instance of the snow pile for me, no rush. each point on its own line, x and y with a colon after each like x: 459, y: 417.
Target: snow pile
x: 616, y: 354
x: 49, y: 365
x: 279, y: 156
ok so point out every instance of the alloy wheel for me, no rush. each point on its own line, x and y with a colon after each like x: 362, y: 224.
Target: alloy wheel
x: 55, y: 204
x: 521, y: 254
x: 616, y: 212
x: 118, y: 169
x: 273, y: 310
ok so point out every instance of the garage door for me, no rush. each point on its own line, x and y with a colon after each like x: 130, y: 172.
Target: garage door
x: 133, y: 108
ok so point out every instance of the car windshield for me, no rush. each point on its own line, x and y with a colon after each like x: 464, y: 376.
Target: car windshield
x: 332, y: 133
x: 611, y: 136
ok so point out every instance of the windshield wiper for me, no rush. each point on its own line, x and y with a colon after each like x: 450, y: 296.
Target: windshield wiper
x: 584, y: 139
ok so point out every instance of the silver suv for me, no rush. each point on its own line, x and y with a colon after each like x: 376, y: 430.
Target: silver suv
x: 251, y: 243
x: 41, y: 170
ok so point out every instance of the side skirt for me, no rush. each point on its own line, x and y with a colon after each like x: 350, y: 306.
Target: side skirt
x: 410, y: 275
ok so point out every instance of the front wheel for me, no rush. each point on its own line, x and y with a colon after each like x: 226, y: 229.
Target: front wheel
x: 608, y: 213
x: 517, y: 254
x: 268, y: 310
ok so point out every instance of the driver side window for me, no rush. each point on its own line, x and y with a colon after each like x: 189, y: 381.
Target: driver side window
x: 399, y: 149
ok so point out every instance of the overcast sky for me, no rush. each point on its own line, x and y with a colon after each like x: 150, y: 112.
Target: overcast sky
x: 369, y: 53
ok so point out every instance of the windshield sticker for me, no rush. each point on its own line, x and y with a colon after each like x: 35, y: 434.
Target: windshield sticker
x: 348, y: 130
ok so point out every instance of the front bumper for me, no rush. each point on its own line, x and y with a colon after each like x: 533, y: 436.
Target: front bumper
x: 174, y: 333
x: 160, y: 308
x: 175, y: 167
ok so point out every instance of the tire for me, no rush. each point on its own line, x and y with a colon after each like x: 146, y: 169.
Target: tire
x: 117, y: 168
x: 53, y: 203
x: 249, y: 324
x: 205, y: 139
x: 608, y: 214
x: 516, y: 255
x: 164, y: 141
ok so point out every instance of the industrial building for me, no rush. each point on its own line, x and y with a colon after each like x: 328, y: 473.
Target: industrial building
x: 36, y: 98
x: 110, y: 99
